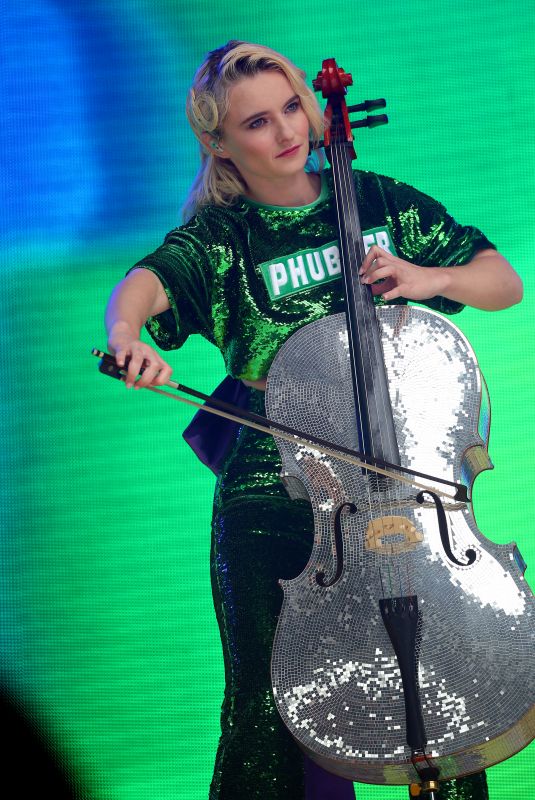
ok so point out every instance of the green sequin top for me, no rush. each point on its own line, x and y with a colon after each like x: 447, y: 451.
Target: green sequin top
x: 247, y: 276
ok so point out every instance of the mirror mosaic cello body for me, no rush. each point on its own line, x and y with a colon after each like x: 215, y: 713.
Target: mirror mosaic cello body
x: 405, y: 647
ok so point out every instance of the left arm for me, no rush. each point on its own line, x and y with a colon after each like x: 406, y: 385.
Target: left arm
x: 487, y: 282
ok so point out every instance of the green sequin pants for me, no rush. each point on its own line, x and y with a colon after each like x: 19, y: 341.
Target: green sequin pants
x: 260, y: 535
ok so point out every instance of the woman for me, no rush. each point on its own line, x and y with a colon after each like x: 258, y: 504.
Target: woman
x: 229, y: 273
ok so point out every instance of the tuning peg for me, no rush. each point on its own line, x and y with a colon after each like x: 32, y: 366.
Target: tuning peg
x: 371, y: 122
x: 368, y: 105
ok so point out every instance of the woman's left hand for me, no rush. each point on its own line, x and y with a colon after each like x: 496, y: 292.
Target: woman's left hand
x: 400, y: 278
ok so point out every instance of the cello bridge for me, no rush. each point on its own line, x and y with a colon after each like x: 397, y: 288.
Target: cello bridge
x: 392, y: 535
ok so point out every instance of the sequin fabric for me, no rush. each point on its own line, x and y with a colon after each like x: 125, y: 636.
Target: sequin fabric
x: 256, y: 540
x: 473, y: 787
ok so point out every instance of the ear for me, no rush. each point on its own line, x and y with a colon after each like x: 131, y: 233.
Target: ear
x: 212, y: 145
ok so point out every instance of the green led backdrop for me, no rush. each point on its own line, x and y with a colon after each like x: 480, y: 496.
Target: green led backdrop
x: 109, y: 644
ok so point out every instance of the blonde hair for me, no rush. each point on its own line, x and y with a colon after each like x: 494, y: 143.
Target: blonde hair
x: 218, y: 182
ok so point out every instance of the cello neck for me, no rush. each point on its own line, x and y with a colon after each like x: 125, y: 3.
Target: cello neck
x: 375, y: 421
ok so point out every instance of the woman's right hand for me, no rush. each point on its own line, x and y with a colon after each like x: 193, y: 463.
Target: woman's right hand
x: 139, y: 356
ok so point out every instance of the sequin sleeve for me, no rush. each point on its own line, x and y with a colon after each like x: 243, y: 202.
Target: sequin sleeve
x: 428, y: 235
x: 184, y: 265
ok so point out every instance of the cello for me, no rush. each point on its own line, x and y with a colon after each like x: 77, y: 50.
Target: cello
x: 404, y: 649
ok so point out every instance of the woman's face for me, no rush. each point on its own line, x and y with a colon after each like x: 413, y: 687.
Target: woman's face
x: 266, y: 131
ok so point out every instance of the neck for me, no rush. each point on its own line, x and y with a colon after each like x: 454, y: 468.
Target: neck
x: 298, y: 192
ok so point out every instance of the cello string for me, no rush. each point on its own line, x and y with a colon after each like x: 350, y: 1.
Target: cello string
x: 338, y: 161
x: 342, y: 205
x: 338, y: 189
x: 359, y: 401
x: 374, y: 394
x: 366, y: 336
x: 380, y: 397
x: 360, y: 337
x: 364, y: 339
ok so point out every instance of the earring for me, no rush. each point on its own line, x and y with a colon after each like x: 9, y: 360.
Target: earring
x: 216, y: 146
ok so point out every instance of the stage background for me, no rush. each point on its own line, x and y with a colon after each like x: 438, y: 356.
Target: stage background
x: 110, y: 652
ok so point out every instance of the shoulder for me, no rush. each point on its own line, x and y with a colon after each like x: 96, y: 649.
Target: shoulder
x: 373, y: 188
x: 394, y: 190
x: 211, y: 240
x: 209, y: 221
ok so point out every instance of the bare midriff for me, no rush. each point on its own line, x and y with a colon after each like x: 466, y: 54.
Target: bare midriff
x: 260, y: 384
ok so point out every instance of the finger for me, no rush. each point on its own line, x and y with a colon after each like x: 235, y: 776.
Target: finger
x: 375, y: 252
x: 156, y: 372
x: 384, y: 269
x: 134, y: 368
x: 135, y: 359
x: 391, y: 294
x: 120, y: 357
x: 150, y: 371
x: 163, y: 376
x: 383, y: 260
x: 367, y: 261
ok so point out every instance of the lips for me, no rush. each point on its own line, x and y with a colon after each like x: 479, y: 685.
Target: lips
x: 290, y: 151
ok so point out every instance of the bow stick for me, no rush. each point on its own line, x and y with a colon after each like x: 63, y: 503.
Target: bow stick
x: 220, y: 408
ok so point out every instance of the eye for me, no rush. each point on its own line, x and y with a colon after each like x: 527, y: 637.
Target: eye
x: 293, y: 106
x: 257, y: 123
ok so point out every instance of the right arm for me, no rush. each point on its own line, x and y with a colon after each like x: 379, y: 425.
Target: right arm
x: 136, y: 298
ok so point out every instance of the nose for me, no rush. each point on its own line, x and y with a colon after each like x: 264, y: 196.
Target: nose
x: 285, y: 132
